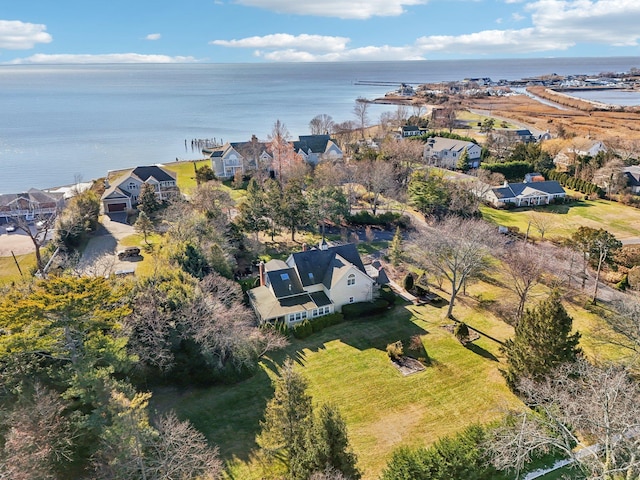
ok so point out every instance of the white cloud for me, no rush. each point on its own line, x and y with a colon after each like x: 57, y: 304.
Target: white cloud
x: 106, y: 58
x: 556, y: 25
x: 358, y: 9
x: 319, y: 43
x: 153, y: 36
x: 498, y: 21
x: 16, y: 35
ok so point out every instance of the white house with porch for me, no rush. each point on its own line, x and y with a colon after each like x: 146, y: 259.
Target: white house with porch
x: 525, y: 194
x: 311, y: 283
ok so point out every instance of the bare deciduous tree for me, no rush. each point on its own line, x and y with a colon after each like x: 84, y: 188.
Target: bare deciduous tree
x: 542, y: 222
x: 38, y: 437
x: 524, y: 265
x: 597, y: 408
x: 321, y: 124
x: 456, y: 249
x: 377, y: 178
x: 361, y: 112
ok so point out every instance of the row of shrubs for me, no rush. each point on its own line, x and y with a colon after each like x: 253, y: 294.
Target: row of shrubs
x: 386, y: 219
x: 573, y: 183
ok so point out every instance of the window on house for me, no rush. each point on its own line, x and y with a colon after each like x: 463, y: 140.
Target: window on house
x: 351, y: 279
x: 284, y: 276
x: 351, y: 299
x: 132, y: 186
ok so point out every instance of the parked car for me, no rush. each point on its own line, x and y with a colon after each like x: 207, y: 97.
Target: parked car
x: 10, y: 228
x: 129, y: 252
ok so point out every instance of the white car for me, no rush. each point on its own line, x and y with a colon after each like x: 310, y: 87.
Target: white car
x: 10, y: 228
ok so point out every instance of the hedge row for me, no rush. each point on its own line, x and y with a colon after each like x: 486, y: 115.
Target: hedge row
x: 575, y: 183
x: 386, y: 219
x: 512, y: 171
x: 307, y: 327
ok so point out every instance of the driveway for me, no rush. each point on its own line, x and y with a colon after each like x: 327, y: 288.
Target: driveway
x: 99, y: 256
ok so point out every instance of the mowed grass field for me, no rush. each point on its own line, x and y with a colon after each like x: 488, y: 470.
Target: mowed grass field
x: 620, y: 220
x: 9, y: 271
x: 347, y: 365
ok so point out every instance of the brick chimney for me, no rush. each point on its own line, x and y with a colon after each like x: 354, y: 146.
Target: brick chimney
x: 261, y: 273
x: 304, y: 247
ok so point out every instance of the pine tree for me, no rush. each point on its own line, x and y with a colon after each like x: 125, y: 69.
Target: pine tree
x: 463, y: 161
x: 272, y: 203
x: 251, y: 216
x: 328, y: 446
x: 287, y: 419
x: 294, y: 209
x: 395, y: 249
x: 542, y: 341
x: 147, y: 200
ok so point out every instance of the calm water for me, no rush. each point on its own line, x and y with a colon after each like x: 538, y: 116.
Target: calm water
x: 612, y: 97
x: 59, y: 122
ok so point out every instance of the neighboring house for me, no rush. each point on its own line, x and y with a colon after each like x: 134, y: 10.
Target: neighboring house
x: 255, y: 154
x: 311, y: 283
x: 30, y: 204
x: 409, y: 131
x: 226, y: 161
x: 632, y: 175
x: 445, y: 152
x: 313, y: 148
x: 525, y: 194
x: 122, y: 191
x: 580, y: 147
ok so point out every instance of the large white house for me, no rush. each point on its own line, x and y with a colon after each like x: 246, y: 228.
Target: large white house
x: 525, y: 194
x: 311, y: 283
x: 123, y: 188
x: 445, y: 152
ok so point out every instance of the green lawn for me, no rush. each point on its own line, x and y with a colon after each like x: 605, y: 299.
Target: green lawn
x: 621, y: 220
x: 9, y: 271
x: 347, y: 365
x: 186, y: 173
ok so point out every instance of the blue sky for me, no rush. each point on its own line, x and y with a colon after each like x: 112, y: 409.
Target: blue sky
x: 232, y: 31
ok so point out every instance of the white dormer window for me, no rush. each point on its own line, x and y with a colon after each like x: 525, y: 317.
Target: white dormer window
x: 351, y: 279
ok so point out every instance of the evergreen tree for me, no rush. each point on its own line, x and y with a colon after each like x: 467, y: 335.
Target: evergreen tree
x: 147, y: 200
x: 395, y: 249
x: 328, y: 444
x: 542, y: 341
x: 251, y: 216
x: 272, y: 204
x: 294, y: 212
x: 463, y: 161
x: 287, y: 419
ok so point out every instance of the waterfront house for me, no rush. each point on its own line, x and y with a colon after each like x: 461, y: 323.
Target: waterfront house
x: 579, y: 147
x: 311, y: 283
x: 226, y: 161
x: 313, y: 148
x: 123, y: 188
x: 445, y: 152
x: 410, y: 131
x: 30, y: 205
x: 525, y: 194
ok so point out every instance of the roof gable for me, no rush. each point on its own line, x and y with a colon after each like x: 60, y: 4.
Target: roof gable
x: 313, y: 265
x: 160, y: 174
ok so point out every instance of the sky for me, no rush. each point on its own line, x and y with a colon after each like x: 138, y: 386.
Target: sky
x: 248, y: 31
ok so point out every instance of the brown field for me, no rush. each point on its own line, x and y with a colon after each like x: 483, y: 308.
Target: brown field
x: 580, y: 117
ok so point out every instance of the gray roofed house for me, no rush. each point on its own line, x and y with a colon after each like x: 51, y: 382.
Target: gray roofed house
x: 632, y: 174
x: 445, y: 152
x: 123, y: 188
x: 314, y: 148
x: 310, y: 284
x: 525, y: 194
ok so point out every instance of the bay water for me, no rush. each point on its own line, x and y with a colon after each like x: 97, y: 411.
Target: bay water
x: 60, y: 123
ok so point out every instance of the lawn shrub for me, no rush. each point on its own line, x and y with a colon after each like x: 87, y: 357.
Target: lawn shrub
x: 461, y: 332
x: 364, y: 309
x: 302, y: 330
x: 407, y: 282
x: 395, y: 350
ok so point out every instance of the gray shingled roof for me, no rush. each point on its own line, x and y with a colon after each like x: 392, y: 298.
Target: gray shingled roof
x: 633, y: 175
x: 315, y: 143
x: 314, y: 264
x: 285, y: 283
x: 513, y: 190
